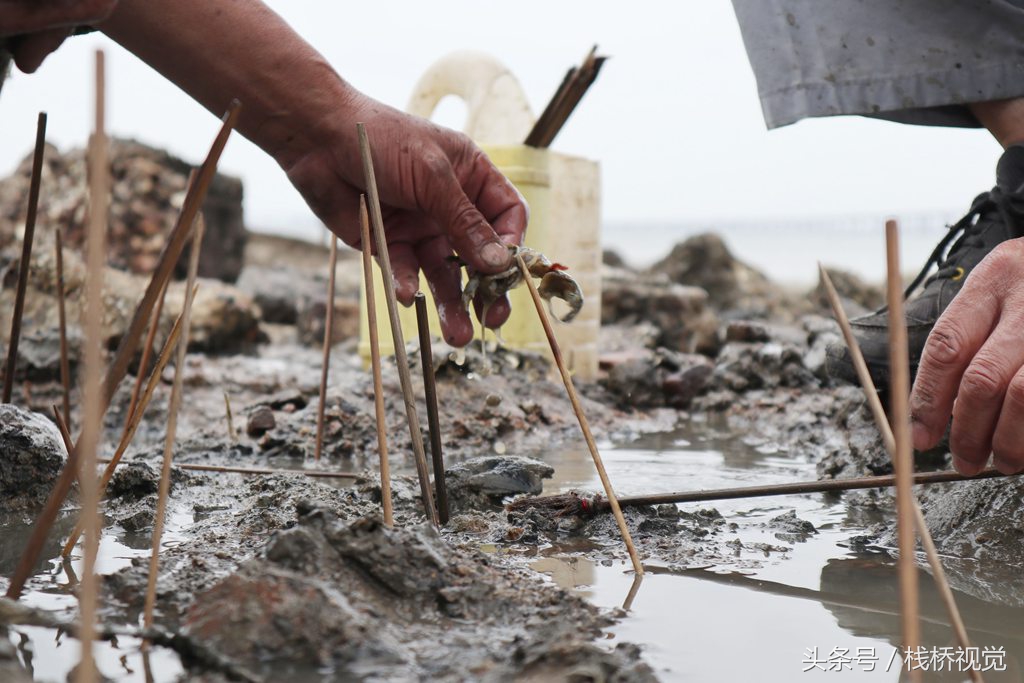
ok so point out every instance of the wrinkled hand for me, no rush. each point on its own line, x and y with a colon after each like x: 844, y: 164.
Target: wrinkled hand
x: 973, y: 369
x: 35, y: 28
x: 440, y: 195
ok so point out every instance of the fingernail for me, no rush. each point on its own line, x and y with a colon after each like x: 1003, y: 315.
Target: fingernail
x: 495, y: 255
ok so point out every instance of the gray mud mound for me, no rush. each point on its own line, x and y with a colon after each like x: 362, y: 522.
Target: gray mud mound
x: 367, y: 602
x: 31, y: 455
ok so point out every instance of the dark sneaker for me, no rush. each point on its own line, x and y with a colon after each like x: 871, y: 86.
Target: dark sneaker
x: 995, y: 216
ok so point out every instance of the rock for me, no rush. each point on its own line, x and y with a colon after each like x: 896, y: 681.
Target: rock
x: 486, y: 481
x: 261, y: 421
x: 790, y: 528
x: 821, y: 333
x: 649, y: 379
x: 857, y: 296
x: 704, y: 261
x: 610, y: 257
x: 148, y: 189
x: 680, y: 314
x: 223, y: 318
x: 743, y: 367
x: 280, y: 292
x: 746, y: 331
x: 31, y: 456
x: 312, y: 318
x: 133, y: 480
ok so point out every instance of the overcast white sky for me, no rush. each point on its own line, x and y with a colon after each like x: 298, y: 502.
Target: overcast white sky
x: 674, y: 117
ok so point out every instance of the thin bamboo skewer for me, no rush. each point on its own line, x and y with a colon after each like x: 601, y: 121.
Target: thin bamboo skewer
x: 228, y: 469
x: 328, y: 333
x: 899, y: 399
x: 882, y: 422
x: 133, y: 422
x: 377, y: 221
x: 65, y: 431
x: 232, y: 435
x: 125, y: 350
x: 65, y: 366
x: 578, y: 409
x: 92, y: 360
x: 430, y: 397
x: 147, y: 351
x: 26, y: 256
x: 565, y: 503
x: 172, y: 425
x: 378, y: 384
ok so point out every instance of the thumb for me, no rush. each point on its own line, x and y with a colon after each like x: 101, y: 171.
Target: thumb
x: 468, y: 231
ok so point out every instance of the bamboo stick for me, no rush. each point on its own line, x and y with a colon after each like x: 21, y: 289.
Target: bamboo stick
x: 377, y: 221
x: 125, y: 350
x: 882, y: 422
x: 228, y: 469
x: 147, y: 350
x: 92, y: 360
x: 430, y: 397
x: 762, y: 491
x: 133, y: 422
x: 578, y: 409
x: 172, y: 425
x: 326, y: 366
x: 378, y: 385
x: 899, y: 400
x: 65, y: 431
x: 26, y: 256
x: 65, y: 366
x: 232, y: 435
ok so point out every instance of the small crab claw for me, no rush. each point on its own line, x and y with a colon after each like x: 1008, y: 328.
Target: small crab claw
x: 559, y: 284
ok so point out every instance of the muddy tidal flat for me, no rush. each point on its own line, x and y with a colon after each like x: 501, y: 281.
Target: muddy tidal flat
x: 711, y: 376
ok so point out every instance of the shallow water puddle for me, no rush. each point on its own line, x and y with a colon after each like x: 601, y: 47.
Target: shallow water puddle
x: 817, y: 611
x: 50, y: 654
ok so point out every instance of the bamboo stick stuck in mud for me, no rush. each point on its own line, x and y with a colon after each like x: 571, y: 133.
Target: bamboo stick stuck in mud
x: 899, y: 400
x: 172, y: 425
x: 882, y: 422
x: 232, y: 434
x: 26, y: 257
x: 380, y: 241
x: 92, y: 361
x: 570, y: 389
x: 378, y: 384
x: 430, y: 396
x: 326, y: 366
x: 126, y: 349
x: 147, y: 350
x: 65, y: 365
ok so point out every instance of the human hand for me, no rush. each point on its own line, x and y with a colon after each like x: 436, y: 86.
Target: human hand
x: 973, y: 369
x: 440, y: 195
x: 35, y: 29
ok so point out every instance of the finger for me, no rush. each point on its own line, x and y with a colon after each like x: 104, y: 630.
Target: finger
x: 405, y: 271
x: 1008, y: 440
x: 953, y: 342
x: 468, y: 231
x: 500, y: 202
x: 980, y: 397
x: 30, y: 50
x: 445, y: 279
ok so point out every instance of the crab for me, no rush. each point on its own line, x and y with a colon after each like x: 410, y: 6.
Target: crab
x: 555, y: 283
